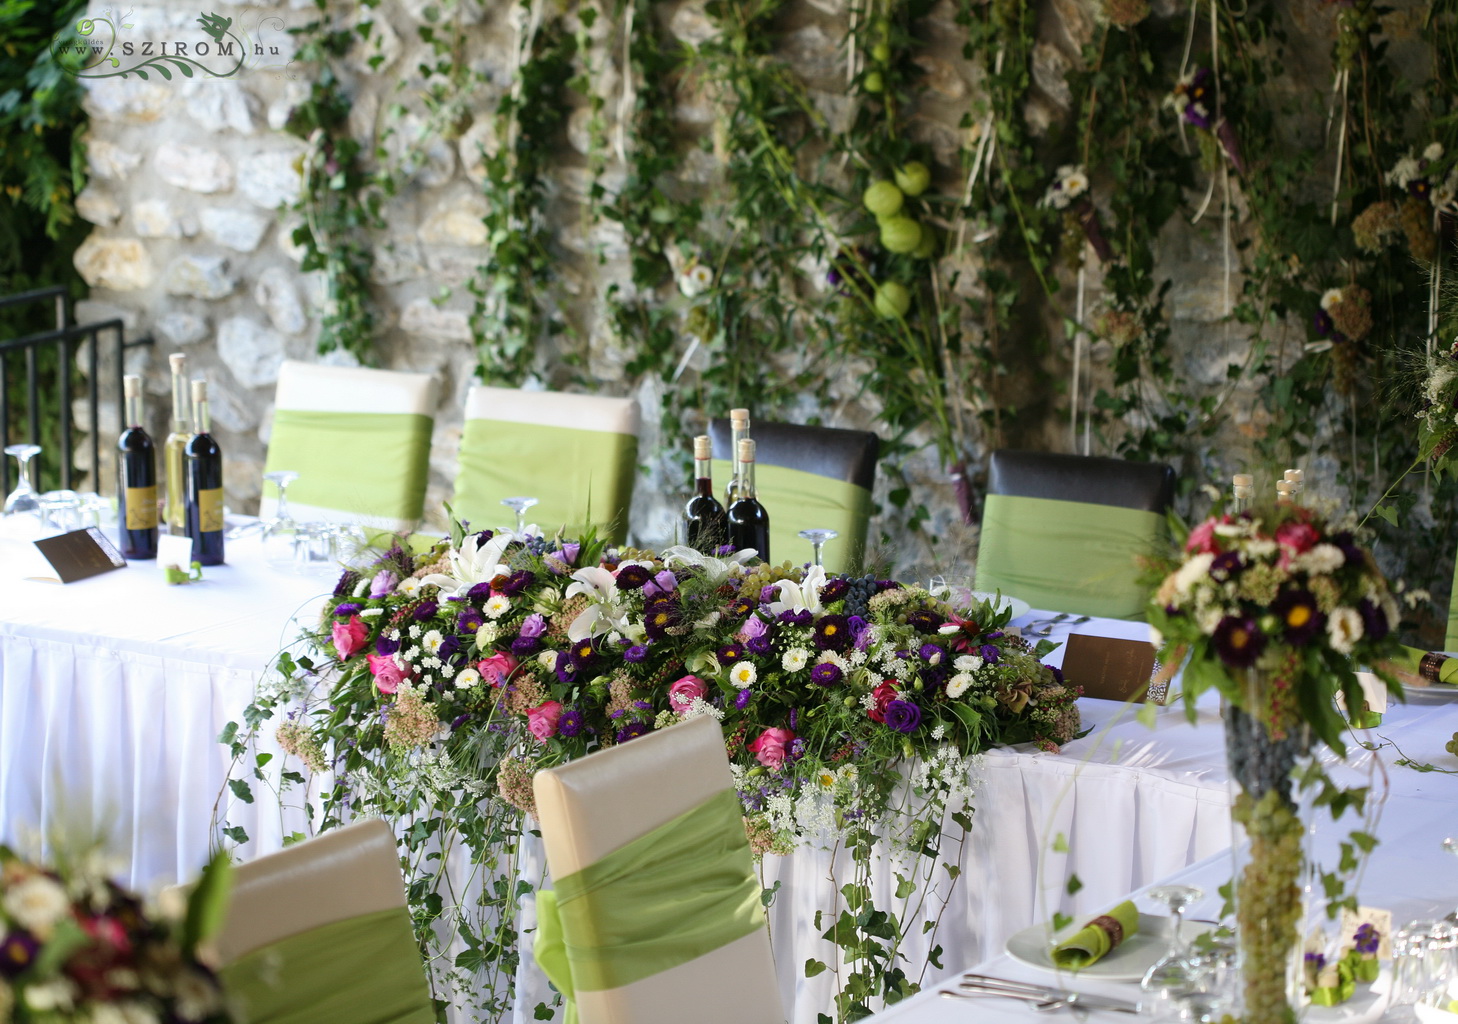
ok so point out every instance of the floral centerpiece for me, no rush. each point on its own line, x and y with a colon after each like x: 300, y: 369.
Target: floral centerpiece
x: 75, y: 946
x: 1275, y: 609
x: 458, y: 673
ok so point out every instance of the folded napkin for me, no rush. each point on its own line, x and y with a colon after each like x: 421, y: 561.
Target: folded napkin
x: 1096, y: 938
x: 1427, y: 666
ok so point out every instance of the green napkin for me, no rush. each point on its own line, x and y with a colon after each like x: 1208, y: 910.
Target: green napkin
x: 1439, y: 668
x: 1094, y: 940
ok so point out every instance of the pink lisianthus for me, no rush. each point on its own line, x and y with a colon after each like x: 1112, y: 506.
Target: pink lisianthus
x: 882, y: 695
x: 1295, y: 539
x: 769, y: 749
x: 349, y: 636
x: 388, y: 675
x: 682, y: 693
x: 496, y: 668
x: 1202, y: 539
x: 542, y: 719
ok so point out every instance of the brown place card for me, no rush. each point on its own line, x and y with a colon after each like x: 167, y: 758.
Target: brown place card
x: 80, y: 553
x: 1109, y: 668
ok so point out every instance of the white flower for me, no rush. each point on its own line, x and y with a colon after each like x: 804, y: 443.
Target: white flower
x: 1209, y: 618
x: 794, y: 659
x: 1196, y: 569
x: 958, y: 684
x: 604, y: 614
x: 409, y: 586
x: 122, y: 1013
x: 804, y: 596
x: 468, y: 679
x: 715, y: 570
x: 968, y: 663
x: 832, y: 658
x: 36, y: 904
x: 743, y: 674
x: 547, y: 660
x: 699, y: 707
x: 370, y: 613
x: 486, y: 635
x: 362, y: 588
x: 496, y: 606
x: 1331, y: 297
x: 1072, y: 181
x: 432, y: 640
x: 475, y: 561
x: 708, y: 620
x: 1433, y: 152
x: 1344, y: 629
x: 196, y: 996
x: 59, y: 994
x: 1261, y: 548
x: 695, y: 280
x: 1403, y: 172
x: 415, y: 630
x: 1324, y: 558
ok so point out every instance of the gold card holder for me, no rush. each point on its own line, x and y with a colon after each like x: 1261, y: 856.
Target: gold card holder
x: 79, y: 555
x: 1112, y: 669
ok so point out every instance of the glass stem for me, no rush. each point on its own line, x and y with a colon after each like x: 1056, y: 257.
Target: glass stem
x: 1177, y: 942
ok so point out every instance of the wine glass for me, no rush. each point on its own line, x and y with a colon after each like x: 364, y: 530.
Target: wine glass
x: 279, y: 533
x: 1176, y: 973
x: 24, y: 498
x: 817, y: 539
x: 520, y: 505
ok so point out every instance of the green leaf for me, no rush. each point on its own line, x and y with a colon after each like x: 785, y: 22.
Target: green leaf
x: 1074, y: 884
x: 240, y: 790
x: 814, y: 967
x: 207, y: 904
x: 544, y: 1012
x: 1145, y: 716
x: 1060, y: 843
x: 1061, y: 921
x: 236, y: 833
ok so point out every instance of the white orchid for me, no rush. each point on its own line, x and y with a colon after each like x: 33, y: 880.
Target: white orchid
x: 795, y: 597
x: 715, y: 570
x: 605, y: 613
x: 475, y: 561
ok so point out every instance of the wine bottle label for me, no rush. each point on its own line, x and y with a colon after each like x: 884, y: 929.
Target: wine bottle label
x: 142, y: 508
x: 210, y: 510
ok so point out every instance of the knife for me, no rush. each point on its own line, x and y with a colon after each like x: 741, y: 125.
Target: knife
x: 1038, y: 993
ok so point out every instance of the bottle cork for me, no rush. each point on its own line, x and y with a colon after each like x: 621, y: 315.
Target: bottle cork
x: 746, y: 450
x: 1243, y: 480
x: 199, y: 390
x: 739, y: 417
x: 703, y: 448
x: 131, y: 386
x: 177, y: 361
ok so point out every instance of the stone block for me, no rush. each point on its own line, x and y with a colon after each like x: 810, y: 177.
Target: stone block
x: 691, y: 25
x: 200, y: 277
x: 108, y: 160
x: 274, y: 178
x: 193, y: 168
x: 97, y: 207
x: 427, y: 160
x: 276, y: 294
x: 424, y: 318
x: 231, y: 409
x: 237, y: 229
x: 251, y: 351
x: 153, y: 218
x: 395, y: 262
x: 128, y: 100
x: 121, y: 264
x: 456, y: 221
x: 220, y: 105
x: 180, y: 329
x: 90, y: 311
x: 478, y: 144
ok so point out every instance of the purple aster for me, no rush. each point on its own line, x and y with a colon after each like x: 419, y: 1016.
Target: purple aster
x: 635, y: 653
x: 1226, y: 566
x: 659, y: 615
x: 348, y: 580
x: 826, y: 674
x: 1367, y: 939
x: 525, y: 645
x: 902, y: 716
x: 517, y: 583
x: 633, y: 577
x: 932, y: 654
x: 799, y: 618
x: 990, y: 653
x: 17, y: 953
x: 797, y: 749
x: 741, y: 699
x: 469, y: 620
x: 730, y: 653
x: 425, y: 610
x: 759, y: 644
x: 570, y: 724
x: 1301, y: 619
x: 631, y: 731
x: 384, y: 582
x: 738, y: 608
x: 1374, y: 620
x: 1322, y: 323
x: 832, y: 633
x: 346, y: 608
x: 1419, y: 188
x: 923, y: 621
x: 583, y: 653
x: 459, y: 721
x: 385, y: 646
x: 1239, y: 642
x: 564, y: 667
x: 480, y: 592
x: 834, y: 589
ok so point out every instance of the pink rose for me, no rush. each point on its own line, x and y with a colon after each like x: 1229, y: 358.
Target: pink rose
x: 1298, y: 537
x: 682, y: 693
x: 1202, y: 539
x: 883, y: 695
x: 769, y: 749
x: 497, y: 667
x: 388, y: 675
x: 542, y: 719
x: 349, y: 636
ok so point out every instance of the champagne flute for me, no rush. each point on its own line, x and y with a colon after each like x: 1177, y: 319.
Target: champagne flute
x: 817, y: 539
x: 520, y: 505
x: 23, y: 499
x: 1176, y: 973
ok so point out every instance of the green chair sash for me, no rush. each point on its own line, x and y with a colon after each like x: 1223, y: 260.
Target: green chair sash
x: 570, y: 472
x: 670, y: 896
x: 1410, y: 660
x: 367, y: 463
x: 797, y: 500
x: 1094, y: 940
x: 1450, y: 641
x: 1067, y: 556
x: 366, y: 970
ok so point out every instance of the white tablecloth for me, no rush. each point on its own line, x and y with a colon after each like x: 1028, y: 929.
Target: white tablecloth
x: 113, y: 691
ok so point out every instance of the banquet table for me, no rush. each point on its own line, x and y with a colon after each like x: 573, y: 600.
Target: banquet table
x: 113, y: 691
x: 1408, y: 874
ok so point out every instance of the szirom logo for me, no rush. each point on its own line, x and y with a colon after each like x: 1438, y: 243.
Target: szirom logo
x: 95, y: 48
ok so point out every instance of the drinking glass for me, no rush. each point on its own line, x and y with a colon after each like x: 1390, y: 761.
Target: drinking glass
x: 313, y: 549
x: 817, y: 539
x: 1409, y: 968
x: 23, y: 499
x: 1176, y: 973
x: 520, y: 505
x: 61, y: 510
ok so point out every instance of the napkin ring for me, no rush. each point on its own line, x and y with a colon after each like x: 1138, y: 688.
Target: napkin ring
x: 1111, y: 927
x: 1431, y: 666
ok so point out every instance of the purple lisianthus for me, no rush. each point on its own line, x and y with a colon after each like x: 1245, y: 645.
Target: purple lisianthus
x: 424, y: 611
x: 384, y: 646
x: 768, y: 593
x: 570, y: 724
x: 753, y: 627
x: 469, y: 620
x: 832, y: 633
x: 1238, y: 641
x: 631, y: 731
x: 860, y: 629
x: 1301, y: 619
x: 923, y: 621
x: 633, y: 577
x: 384, y: 582
x: 449, y: 647
x: 730, y: 653
x: 346, y: 608
x: 990, y: 653
x: 570, y: 550
x: 826, y: 674
x: 932, y: 654
x: 834, y: 589
x: 1374, y: 620
x: 902, y: 716
x: 741, y: 699
x: 664, y: 582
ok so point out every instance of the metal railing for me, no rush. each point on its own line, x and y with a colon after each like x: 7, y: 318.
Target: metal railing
x: 67, y: 336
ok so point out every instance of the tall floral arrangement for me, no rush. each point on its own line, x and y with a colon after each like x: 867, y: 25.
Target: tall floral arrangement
x: 1276, y: 609
x: 457, y: 674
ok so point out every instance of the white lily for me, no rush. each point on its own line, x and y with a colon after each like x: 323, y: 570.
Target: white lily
x: 604, y: 614
x: 803, y: 596
x: 475, y: 561
x: 716, y: 570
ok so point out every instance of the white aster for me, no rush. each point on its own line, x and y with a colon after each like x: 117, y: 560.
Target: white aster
x: 1331, y: 297
x: 1344, y: 629
x: 959, y: 684
x: 432, y: 640
x: 36, y: 904
x: 794, y: 659
x: 1404, y: 171
x: 496, y: 606
x: 1323, y: 558
x: 409, y: 586
x: 743, y: 674
x: 1433, y: 152
x: 1196, y: 569
x: 968, y: 663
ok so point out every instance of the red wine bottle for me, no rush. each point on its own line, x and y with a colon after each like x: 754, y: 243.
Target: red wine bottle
x: 136, y: 486
x: 708, y: 526
x: 203, y: 462
x: 748, y: 521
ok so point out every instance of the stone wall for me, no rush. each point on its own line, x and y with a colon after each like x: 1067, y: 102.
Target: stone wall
x: 192, y: 243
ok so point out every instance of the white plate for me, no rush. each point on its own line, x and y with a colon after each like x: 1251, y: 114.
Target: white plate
x: 1019, y: 607
x: 1129, y: 962
x: 1436, y: 693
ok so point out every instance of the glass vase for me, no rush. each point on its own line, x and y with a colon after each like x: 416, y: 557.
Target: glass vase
x: 1266, y: 746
